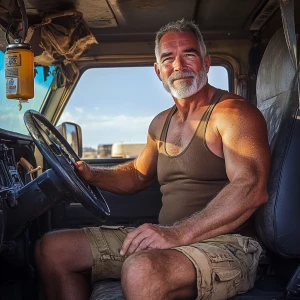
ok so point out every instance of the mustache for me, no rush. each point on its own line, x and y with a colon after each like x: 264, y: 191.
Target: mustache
x: 180, y: 74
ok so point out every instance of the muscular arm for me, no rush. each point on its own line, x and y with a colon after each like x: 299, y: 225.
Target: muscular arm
x: 130, y: 177
x: 243, y: 134
x: 247, y: 158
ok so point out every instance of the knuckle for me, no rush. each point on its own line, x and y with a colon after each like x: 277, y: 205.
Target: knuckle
x: 146, y: 225
x: 142, y: 246
x: 134, y: 243
x: 151, y: 227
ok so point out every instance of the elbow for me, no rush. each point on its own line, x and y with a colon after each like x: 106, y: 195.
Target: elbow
x: 143, y: 184
x: 257, y: 193
x: 262, y: 197
x: 265, y: 197
x: 136, y: 186
x: 257, y: 186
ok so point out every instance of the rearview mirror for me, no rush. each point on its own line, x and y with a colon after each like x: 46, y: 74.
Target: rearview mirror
x: 72, y: 133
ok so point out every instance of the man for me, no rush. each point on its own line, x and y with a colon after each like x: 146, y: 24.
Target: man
x: 211, y: 156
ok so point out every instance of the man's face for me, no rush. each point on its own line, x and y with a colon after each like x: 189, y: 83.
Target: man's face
x: 181, y: 67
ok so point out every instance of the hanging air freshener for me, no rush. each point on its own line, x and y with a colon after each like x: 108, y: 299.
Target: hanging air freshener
x: 19, y: 72
x: 19, y: 64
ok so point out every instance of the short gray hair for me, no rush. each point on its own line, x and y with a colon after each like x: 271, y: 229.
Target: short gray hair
x: 180, y: 26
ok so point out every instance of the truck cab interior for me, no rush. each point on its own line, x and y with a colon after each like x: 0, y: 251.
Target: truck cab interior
x: 92, y: 62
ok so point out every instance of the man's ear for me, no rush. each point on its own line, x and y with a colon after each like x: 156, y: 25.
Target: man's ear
x: 157, y: 70
x: 207, y: 62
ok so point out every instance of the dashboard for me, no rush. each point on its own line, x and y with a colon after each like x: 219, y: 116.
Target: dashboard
x: 23, y: 198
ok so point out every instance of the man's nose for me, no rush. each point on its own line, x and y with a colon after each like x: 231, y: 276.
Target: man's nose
x: 178, y: 63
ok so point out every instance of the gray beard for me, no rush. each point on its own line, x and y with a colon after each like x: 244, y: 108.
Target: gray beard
x: 185, y: 89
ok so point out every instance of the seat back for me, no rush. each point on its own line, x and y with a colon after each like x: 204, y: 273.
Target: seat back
x: 278, y: 221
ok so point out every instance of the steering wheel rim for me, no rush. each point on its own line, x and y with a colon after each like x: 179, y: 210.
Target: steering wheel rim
x: 61, y: 158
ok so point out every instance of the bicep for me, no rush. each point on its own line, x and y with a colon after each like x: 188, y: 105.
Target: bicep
x: 245, y: 146
x: 146, y: 163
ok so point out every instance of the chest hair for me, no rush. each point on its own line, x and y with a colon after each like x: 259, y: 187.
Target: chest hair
x: 180, y: 134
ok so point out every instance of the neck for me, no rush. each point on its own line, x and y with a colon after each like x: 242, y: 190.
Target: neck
x: 188, y: 105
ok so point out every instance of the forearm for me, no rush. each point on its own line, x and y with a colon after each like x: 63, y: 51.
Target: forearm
x: 120, y: 179
x: 223, y: 214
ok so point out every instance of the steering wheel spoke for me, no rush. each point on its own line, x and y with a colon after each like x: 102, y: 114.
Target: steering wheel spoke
x: 61, y: 158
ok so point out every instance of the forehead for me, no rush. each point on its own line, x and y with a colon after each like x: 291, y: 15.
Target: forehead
x: 177, y: 39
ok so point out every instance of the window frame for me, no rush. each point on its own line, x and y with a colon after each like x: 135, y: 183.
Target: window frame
x: 146, y: 62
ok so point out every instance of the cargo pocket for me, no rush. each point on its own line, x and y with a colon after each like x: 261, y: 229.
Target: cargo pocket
x: 226, y: 271
x: 105, y: 243
x: 226, y: 283
x: 250, y: 252
x: 114, y: 237
x: 222, y: 275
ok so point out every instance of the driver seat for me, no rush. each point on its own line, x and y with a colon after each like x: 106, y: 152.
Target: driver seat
x: 277, y: 221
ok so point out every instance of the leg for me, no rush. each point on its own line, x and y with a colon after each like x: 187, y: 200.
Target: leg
x: 158, y: 275
x: 64, y: 259
x: 214, y: 269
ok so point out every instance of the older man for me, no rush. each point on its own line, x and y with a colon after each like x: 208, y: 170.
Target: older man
x: 211, y: 157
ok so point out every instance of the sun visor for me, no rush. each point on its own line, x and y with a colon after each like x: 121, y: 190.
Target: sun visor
x: 63, y: 38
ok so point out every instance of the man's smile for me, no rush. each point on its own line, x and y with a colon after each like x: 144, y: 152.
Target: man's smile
x: 182, y: 79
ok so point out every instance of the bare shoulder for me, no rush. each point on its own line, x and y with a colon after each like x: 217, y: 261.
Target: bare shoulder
x: 234, y: 102
x: 157, y: 124
x: 234, y: 111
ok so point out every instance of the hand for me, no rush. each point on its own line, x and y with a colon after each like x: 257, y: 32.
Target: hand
x: 84, y: 171
x: 151, y: 236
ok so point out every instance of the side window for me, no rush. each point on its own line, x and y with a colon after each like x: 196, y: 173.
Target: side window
x: 114, y: 107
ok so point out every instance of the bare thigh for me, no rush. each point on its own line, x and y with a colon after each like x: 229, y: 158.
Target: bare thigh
x: 67, y: 249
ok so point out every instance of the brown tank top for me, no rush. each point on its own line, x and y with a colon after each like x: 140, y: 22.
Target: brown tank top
x: 191, y: 179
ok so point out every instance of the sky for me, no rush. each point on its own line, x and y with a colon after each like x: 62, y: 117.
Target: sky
x: 117, y: 104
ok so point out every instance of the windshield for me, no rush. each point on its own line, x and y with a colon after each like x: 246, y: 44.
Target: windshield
x: 115, y: 121
x: 11, y: 118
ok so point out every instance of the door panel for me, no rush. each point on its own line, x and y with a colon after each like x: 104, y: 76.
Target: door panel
x: 127, y: 210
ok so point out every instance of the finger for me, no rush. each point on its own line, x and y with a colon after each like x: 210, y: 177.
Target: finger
x: 136, y: 242
x: 145, y: 244
x: 130, y: 236
x: 80, y: 165
x: 84, y: 171
x: 80, y: 168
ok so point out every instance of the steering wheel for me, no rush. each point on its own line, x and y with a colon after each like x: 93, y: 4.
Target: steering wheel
x: 61, y: 158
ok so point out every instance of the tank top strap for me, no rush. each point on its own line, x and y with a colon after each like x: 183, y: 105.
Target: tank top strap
x: 164, y: 131
x: 206, y: 116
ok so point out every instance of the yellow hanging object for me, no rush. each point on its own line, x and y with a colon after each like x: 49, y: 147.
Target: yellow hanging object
x: 19, y: 72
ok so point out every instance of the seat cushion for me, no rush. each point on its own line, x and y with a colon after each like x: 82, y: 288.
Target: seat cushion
x: 107, y: 290
x: 265, y: 288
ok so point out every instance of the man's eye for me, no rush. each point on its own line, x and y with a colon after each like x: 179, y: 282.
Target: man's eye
x: 167, y: 59
x: 190, y: 55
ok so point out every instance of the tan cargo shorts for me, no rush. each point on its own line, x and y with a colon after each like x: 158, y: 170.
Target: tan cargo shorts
x: 225, y: 265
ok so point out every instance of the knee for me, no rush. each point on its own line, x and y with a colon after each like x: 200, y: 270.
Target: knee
x: 138, y: 267
x: 50, y: 251
x: 46, y: 249
x: 141, y: 272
